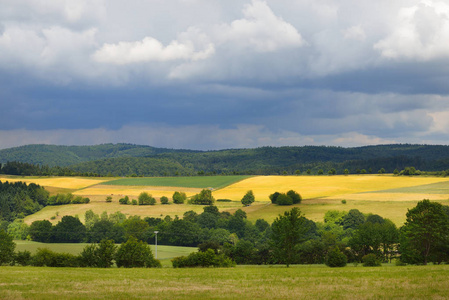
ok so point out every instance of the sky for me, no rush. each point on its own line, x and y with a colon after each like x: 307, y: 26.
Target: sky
x: 209, y: 74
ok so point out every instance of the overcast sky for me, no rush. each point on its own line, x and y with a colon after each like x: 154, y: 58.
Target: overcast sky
x: 210, y: 74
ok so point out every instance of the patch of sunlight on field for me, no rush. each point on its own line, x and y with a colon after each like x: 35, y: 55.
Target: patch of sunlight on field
x: 59, y: 182
x: 134, y: 191
x: 320, y: 186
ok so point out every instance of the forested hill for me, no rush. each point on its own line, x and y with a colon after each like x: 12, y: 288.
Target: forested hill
x: 125, y: 159
x: 62, y: 156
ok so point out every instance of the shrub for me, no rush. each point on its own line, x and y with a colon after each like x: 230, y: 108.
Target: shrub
x: 47, y: 258
x: 124, y: 200
x: 203, y: 198
x: 146, y: 199
x: 224, y: 200
x: 248, y: 198
x: 335, y: 258
x: 284, y: 199
x: 134, y: 253
x: 179, y: 197
x: 164, y: 200
x: 108, y: 199
x: 134, y: 202
x: 343, y: 201
x: 371, y: 260
x: 204, y: 259
x: 296, y: 198
x: 23, y: 258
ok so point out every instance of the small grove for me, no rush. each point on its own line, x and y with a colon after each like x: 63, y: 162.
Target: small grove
x: 341, y: 238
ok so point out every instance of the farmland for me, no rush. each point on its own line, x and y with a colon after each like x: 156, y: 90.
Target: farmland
x: 245, y: 282
x: 386, y: 195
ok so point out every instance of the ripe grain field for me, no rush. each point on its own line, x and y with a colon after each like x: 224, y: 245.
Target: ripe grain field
x: 242, y: 282
x: 387, y: 195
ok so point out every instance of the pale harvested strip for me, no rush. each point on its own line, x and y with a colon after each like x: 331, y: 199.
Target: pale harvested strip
x: 61, y: 182
x: 379, y: 197
x: 155, y: 191
x: 320, y: 186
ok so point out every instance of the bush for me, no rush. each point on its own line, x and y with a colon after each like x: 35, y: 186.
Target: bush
x: 343, y: 201
x: 124, y: 200
x: 204, y: 259
x: 164, y: 200
x: 371, y: 260
x: 203, y: 198
x: 47, y: 258
x: 248, y: 198
x: 23, y: 258
x: 179, y: 197
x: 80, y: 200
x: 296, y: 198
x: 224, y: 200
x: 135, y: 254
x: 99, y: 256
x: 284, y: 199
x: 146, y: 199
x: 335, y: 258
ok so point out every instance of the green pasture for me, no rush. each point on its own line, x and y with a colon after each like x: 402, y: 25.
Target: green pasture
x: 433, y: 188
x: 242, y: 282
x: 163, y: 252
x: 214, y: 182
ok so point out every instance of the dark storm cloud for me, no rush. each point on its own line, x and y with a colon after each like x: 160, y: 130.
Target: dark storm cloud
x: 207, y: 74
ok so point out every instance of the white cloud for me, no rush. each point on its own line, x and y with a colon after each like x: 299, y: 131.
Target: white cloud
x: 149, y: 49
x: 421, y: 32
x: 261, y: 30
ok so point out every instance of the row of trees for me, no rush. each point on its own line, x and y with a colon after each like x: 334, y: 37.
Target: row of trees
x: 290, y: 239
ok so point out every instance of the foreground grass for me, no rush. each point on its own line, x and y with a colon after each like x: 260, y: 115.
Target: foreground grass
x: 244, y: 282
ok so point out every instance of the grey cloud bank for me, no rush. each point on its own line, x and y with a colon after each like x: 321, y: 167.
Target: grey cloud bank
x: 205, y: 74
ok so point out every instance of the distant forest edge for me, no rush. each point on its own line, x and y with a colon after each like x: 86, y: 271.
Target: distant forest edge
x: 136, y: 160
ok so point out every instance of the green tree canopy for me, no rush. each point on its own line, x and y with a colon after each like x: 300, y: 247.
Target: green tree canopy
x: 423, y: 232
x: 288, y: 230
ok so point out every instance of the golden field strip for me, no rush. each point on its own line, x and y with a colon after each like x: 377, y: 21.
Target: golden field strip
x: 387, y: 195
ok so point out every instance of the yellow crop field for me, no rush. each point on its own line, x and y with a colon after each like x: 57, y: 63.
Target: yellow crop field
x: 311, y: 187
x: 57, y: 182
x: 387, y: 195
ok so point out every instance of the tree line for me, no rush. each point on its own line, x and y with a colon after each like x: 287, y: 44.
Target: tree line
x: 134, y: 160
x: 341, y: 238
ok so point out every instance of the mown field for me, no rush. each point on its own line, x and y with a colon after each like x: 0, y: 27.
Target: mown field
x: 214, y: 182
x: 242, y: 282
x: 164, y: 253
x: 386, y: 195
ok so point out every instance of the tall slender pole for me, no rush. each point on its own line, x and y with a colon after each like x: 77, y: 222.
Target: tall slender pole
x: 155, y: 237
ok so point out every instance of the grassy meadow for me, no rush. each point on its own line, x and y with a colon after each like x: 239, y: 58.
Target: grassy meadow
x: 243, y: 282
x: 387, y: 195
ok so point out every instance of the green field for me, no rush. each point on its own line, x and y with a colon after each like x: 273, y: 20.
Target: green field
x: 215, y: 182
x: 242, y: 282
x: 164, y: 253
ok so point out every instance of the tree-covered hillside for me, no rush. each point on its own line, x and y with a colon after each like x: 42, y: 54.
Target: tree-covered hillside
x: 127, y: 160
x: 52, y: 155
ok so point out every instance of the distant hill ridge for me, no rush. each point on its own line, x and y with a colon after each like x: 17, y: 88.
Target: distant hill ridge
x: 129, y: 159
